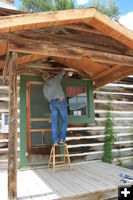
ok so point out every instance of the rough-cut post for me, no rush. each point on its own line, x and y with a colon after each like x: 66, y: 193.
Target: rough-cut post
x: 12, y: 146
x: 6, y: 65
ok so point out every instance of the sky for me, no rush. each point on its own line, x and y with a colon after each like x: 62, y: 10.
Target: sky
x: 125, y: 7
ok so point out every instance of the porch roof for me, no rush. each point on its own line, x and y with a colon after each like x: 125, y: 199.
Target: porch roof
x: 83, y: 40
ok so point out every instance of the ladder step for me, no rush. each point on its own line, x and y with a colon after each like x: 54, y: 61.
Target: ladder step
x: 59, y: 162
x: 63, y: 165
x: 59, y: 155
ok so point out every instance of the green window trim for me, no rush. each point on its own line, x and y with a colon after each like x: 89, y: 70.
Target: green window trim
x: 88, y: 84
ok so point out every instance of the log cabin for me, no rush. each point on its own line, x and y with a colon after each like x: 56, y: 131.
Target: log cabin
x: 98, y: 52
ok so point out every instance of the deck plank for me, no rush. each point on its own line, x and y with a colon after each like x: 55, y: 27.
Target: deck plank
x: 102, y: 175
x: 90, y: 180
x: 54, y: 182
x: 96, y: 180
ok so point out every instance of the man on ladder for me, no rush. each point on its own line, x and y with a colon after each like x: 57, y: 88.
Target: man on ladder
x: 53, y: 92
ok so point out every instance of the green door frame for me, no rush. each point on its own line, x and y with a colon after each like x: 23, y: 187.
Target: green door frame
x: 23, y: 129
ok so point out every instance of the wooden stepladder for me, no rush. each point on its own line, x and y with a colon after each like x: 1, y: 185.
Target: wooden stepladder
x: 53, y: 156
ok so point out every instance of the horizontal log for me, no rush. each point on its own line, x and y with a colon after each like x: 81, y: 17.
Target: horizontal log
x: 124, y: 152
x: 118, y: 107
x: 122, y: 122
x: 125, y: 160
x: 119, y: 85
x: 20, y: 44
x: 100, y: 137
x: 69, y: 36
x: 123, y: 101
x: 119, y: 74
x: 43, y: 48
x: 116, y: 96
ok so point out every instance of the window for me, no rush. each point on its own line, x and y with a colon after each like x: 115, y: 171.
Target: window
x: 4, y: 125
x: 77, y: 100
x: 80, y: 102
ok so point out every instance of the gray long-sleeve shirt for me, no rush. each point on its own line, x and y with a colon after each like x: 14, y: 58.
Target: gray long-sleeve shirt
x: 52, y: 88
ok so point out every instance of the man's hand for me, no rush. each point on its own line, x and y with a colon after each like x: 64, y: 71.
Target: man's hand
x: 61, y: 98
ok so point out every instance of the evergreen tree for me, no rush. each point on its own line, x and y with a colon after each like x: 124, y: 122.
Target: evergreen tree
x: 110, y: 8
x: 64, y: 4
x: 46, y: 5
x: 36, y: 5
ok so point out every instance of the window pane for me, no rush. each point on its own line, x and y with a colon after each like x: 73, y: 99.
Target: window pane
x: 81, y: 91
x: 72, y: 105
x: 81, y: 105
x: 71, y: 91
x: 77, y: 100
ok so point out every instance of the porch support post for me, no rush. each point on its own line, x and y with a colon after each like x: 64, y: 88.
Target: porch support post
x: 12, y: 146
x: 6, y: 65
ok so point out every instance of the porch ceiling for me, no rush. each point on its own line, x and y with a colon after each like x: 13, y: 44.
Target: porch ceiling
x: 84, y: 40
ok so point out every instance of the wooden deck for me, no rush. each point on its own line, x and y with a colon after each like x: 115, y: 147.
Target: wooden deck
x: 91, y: 180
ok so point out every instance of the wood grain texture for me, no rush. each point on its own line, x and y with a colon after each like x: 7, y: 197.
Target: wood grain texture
x: 90, y: 16
x: 12, y: 155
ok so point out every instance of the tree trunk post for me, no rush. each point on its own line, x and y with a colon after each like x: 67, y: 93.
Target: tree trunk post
x: 12, y: 145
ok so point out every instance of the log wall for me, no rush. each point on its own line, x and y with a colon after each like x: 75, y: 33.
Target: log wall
x: 86, y: 142
x: 4, y: 99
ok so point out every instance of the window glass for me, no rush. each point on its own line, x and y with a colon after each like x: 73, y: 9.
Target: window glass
x: 77, y: 100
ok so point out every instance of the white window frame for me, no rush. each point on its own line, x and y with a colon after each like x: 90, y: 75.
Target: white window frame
x: 4, y: 125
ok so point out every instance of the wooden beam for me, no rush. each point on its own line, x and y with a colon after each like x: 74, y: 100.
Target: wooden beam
x: 110, y: 58
x: 71, y: 64
x: 71, y: 37
x: 23, y: 59
x: 12, y: 143
x: 116, y: 75
x: 6, y: 65
x: 46, y: 48
x: 29, y: 59
x: 83, y: 27
x: 3, y: 46
x: 65, y: 49
x: 44, y: 19
x: 107, y: 72
x: 90, y: 16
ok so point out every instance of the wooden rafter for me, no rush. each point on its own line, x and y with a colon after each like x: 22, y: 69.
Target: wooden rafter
x: 38, y: 20
x: 83, y: 27
x: 114, y: 76
x: 71, y: 64
x: 23, y: 59
x: 67, y: 46
x: 90, y: 16
x: 105, y: 73
x: 110, y: 58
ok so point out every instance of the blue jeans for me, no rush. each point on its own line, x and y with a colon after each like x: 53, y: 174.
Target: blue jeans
x: 58, y: 108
